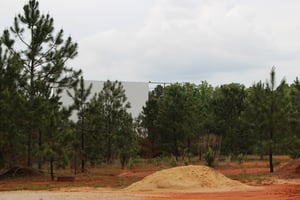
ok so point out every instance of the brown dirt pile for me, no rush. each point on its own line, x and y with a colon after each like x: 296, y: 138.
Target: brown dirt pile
x: 190, y: 178
x: 289, y: 170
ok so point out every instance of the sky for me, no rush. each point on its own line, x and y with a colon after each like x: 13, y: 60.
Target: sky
x: 218, y: 41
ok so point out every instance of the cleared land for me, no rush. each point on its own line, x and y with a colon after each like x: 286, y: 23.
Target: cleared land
x: 192, y: 182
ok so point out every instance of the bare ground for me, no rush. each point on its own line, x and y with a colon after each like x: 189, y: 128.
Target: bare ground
x: 272, y: 192
x: 273, y: 189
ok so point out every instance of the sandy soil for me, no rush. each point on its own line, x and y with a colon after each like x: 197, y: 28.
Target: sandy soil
x: 190, y: 178
x: 272, y: 192
x: 277, y: 189
x: 67, y: 195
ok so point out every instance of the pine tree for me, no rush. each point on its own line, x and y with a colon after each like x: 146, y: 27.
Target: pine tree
x: 11, y: 109
x: 115, y: 104
x: 170, y: 119
x: 149, y: 119
x: 228, y: 103
x: 80, y: 99
x: 43, y: 55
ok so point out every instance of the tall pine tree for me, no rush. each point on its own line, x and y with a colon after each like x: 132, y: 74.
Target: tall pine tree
x: 43, y: 55
x: 80, y: 99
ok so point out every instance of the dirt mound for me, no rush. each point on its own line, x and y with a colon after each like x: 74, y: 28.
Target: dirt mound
x: 289, y: 170
x: 20, y: 172
x: 188, y: 179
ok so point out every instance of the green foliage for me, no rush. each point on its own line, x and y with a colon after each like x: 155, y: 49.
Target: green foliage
x: 149, y: 119
x: 110, y: 127
x: 209, y: 157
x: 127, y: 140
x: 266, y: 115
x: 34, y: 58
x: 186, y: 161
x: 79, y: 97
x: 292, y: 146
x: 228, y: 104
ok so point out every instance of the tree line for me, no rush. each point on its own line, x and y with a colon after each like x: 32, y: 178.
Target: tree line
x: 180, y: 119
x: 188, y: 119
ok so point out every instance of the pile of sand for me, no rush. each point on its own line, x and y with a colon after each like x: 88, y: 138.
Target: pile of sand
x: 290, y: 170
x: 188, y: 179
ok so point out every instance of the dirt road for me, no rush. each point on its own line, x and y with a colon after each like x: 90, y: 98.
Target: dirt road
x: 272, y: 192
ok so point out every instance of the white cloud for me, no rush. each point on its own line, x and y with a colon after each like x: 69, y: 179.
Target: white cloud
x: 183, y: 40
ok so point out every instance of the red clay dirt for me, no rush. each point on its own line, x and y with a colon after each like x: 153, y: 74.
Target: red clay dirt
x: 273, y: 192
x: 82, y: 188
x: 290, y: 170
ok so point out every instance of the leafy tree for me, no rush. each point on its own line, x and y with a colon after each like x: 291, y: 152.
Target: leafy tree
x: 43, y: 56
x: 80, y: 97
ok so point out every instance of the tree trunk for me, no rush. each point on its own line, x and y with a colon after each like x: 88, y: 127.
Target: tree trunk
x: 109, y: 150
x: 189, y: 147
x: 271, y: 151
x: 75, y: 163
x: 152, y: 147
x: 271, y: 160
x: 200, y: 148
x: 175, y: 145
x: 29, y: 149
x: 51, y: 169
x: 271, y: 137
x: 82, y: 165
x: 82, y: 146
x: 40, y: 145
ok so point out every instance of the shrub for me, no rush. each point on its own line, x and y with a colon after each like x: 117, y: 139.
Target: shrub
x: 210, y: 157
x: 173, y: 161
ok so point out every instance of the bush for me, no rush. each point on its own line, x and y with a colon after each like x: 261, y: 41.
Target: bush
x: 173, y: 161
x: 210, y: 157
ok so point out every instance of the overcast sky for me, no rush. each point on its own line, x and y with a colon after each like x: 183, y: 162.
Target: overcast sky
x: 220, y: 41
